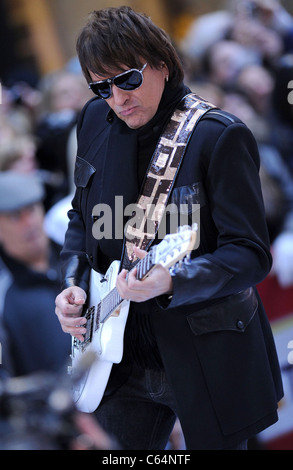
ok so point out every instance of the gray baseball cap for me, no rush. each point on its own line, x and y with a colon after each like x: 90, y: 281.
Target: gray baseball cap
x: 19, y: 190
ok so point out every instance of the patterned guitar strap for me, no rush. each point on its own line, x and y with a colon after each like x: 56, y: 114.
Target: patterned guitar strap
x: 150, y: 207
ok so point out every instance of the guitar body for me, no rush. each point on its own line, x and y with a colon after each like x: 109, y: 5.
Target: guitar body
x: 106, y: 319
x: 106, y: 343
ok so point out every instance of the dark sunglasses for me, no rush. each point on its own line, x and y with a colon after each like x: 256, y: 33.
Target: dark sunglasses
x: 127, y: 81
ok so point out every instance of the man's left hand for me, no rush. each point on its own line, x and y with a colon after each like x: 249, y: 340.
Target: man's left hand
x: 158, y: 282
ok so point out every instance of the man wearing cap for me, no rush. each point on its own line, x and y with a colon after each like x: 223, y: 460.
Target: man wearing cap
x: 29, y: 278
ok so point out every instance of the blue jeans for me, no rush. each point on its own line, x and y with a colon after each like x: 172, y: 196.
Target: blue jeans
x: 142, y: 412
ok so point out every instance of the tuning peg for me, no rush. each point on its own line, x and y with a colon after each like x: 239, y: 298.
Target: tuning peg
x: 179, y: 264
x: 183, y: 228
x: 172, y: 271
x: 175, y: 268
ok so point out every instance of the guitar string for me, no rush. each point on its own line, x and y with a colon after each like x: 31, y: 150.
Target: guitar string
x: 113, y: 299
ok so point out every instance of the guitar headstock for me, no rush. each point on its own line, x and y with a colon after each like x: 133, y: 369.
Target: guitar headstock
x: 176, y: 246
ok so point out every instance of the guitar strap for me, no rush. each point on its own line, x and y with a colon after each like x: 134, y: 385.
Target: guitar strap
x: 163, y: 169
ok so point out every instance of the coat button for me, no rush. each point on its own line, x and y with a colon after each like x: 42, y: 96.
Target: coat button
x: 240, y: 325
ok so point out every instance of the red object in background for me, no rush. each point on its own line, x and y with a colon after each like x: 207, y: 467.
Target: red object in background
x: 278, y: 303
x: 282, y: 443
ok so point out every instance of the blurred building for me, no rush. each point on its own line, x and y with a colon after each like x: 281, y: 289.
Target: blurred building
x: 39, y: 35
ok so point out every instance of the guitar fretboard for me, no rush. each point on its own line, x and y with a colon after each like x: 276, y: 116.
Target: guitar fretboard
x: 112, y: 300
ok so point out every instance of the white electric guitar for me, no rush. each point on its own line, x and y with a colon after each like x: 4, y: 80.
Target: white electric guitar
x: 107, y: 315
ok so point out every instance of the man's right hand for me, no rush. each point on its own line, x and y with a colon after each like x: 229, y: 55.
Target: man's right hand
x: 69, y: 307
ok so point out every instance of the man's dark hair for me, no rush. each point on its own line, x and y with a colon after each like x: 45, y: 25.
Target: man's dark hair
x: 116, y: 37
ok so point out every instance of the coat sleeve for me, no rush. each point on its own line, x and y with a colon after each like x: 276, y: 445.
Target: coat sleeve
x: 75, y: 268
x: 74, y: 264
x: 242, y: 257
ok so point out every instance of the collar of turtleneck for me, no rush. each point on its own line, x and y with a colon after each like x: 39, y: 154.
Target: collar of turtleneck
x: 170, y: 98
x: 148, y: 135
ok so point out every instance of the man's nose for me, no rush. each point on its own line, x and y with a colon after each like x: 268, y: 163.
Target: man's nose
x: 28, y: 216
x: 120, y: 96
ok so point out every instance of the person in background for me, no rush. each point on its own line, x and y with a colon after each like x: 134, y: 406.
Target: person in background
x: 63, y: 96
x: 29, y: 278
x: 18, y: 153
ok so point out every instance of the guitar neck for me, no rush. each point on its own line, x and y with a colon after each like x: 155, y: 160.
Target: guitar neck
x: 112, y: 300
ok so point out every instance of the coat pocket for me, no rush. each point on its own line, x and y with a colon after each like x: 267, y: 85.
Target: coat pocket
x: 188, y: 199
x: 234, y: 313
x: 184, y: 207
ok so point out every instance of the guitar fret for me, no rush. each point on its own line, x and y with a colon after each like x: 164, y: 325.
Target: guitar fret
x: 144, y: 266
x: 113, y: 299
x: 140, y: 269
x: 109, y: 303
x: 148, y: 262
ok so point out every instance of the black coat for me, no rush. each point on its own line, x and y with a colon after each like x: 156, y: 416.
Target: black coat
x: 214, y: 337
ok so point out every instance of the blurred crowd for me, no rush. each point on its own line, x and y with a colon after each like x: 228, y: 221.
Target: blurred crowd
x: 240, y: 58
x: 38, y: 147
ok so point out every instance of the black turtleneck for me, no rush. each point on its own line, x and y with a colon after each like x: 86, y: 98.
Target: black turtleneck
x: 149, y: 134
